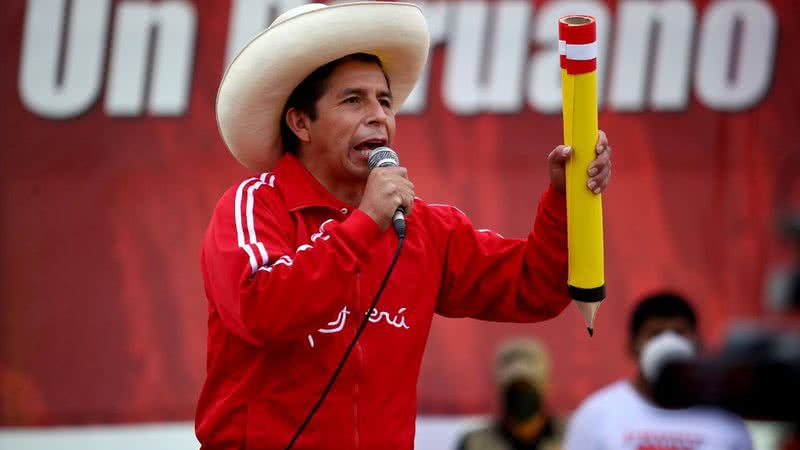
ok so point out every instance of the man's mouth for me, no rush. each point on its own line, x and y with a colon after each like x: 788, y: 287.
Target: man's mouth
x: 365, y: 147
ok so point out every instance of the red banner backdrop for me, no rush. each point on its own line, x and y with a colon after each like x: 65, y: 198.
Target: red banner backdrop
x: 111, y: 164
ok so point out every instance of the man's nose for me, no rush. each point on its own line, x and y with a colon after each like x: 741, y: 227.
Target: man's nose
x: 377, y: 113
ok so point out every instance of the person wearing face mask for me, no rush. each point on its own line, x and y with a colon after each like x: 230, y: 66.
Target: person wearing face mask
x: 623, y: 416
x: 522, y: 374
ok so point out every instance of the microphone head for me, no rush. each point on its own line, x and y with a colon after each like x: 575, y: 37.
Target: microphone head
x: 383, y: 157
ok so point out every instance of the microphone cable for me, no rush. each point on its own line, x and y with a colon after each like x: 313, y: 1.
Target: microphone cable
x: 401, y: 239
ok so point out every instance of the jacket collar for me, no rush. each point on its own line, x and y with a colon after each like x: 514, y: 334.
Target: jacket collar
x: 299, y: 187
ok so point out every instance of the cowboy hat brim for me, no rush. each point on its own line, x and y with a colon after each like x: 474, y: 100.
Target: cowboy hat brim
x: 258, y: 82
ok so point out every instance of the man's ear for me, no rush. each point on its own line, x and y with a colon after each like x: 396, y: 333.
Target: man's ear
x: 298, y: 122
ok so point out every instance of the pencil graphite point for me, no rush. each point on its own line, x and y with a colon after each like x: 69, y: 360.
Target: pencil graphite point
x: 588, y: 311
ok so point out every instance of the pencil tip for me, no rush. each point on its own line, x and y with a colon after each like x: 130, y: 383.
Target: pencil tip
x: 591, y: 331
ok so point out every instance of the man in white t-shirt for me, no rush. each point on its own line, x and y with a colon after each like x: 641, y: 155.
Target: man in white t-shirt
x: 622, y: 416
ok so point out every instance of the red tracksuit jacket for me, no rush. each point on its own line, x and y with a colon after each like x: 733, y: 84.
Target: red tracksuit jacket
x: 289, y: 271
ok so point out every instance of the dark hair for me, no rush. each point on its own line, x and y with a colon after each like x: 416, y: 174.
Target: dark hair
x: 305, y: 95
x: 661, y: 305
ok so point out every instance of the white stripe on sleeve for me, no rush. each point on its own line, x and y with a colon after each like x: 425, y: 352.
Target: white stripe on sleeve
x: 237, y: 211
x: 251, y: 228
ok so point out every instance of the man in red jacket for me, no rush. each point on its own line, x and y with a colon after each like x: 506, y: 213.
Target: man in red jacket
x: 294, y: 256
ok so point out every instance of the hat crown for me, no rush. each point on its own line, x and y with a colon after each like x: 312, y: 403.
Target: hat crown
x: 296, y: 11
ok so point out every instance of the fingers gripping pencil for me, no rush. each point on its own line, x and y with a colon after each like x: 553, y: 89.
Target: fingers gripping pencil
x: 578, y: 51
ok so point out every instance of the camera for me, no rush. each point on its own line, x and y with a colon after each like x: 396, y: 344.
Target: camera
x: 756, y: 375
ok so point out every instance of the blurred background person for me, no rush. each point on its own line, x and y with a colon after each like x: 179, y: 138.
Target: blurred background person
x: 522, y: 374
x: 783, y: 284
x: 624, y: 416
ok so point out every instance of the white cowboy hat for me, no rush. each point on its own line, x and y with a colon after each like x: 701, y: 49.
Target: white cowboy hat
x: 259, y: 80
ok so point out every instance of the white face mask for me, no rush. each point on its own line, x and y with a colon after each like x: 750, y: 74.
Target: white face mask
x: 662, y: 349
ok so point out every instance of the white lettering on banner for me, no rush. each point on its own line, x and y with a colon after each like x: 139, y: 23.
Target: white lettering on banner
x: 398, y: 320
x: 436, y: 16
x: 469, y: 85
x: 497, y: 57
x: 730, y: 78
x: 169, y: 27
x: 669, y: 64
x: 250, y: 17
x: 56, y: 86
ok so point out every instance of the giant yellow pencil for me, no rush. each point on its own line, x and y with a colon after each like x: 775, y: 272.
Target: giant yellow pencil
x: 578, y: 50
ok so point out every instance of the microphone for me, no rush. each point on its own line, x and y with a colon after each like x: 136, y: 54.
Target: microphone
x: 386, y: 157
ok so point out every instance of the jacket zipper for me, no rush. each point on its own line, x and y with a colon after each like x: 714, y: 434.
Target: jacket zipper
x: 359, y: 364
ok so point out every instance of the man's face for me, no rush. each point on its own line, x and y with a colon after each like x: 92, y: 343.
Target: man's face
x: 654, y: 326
x: 354, y: 116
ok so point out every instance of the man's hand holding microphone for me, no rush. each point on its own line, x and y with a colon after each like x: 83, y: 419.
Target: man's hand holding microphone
x: 389, y: 195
